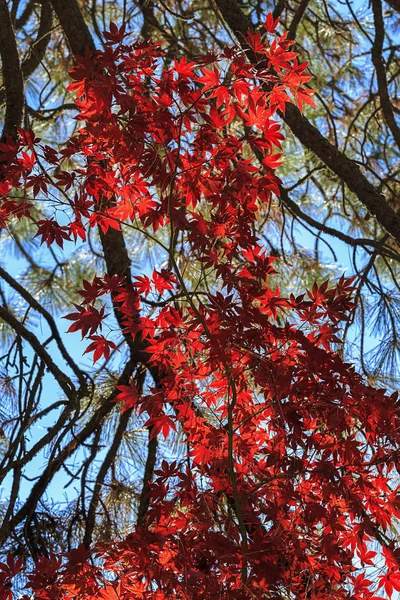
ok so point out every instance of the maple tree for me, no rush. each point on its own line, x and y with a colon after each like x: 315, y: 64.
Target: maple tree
x: 337, y: 207
x: 285, y: 487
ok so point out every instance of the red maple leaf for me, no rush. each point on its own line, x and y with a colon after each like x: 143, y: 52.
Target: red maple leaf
x: 100, y: 346
x: 209, y: 79
x: 128, y: 394
x: 51, y: 232
x: 88, y: 320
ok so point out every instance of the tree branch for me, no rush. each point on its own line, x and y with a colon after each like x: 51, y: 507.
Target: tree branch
x: 101, y: 475
x: 28, y: 10
x: 12, y: 75
x: 298, y: 15
x: 55, y: 463
x: 33, y: 303
x: 74, y: 26
x: 62, y: 379
x: 147, y: 477
x: 38, y: 48
x: 278, y: 10
x: 380, y: 71
x: 395, y: 4
x: 347, y: 239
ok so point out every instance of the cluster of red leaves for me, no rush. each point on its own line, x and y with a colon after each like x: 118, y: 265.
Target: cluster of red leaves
x: 287, y: 483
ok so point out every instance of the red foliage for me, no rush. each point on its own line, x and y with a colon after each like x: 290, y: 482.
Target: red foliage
x: 287, y: 483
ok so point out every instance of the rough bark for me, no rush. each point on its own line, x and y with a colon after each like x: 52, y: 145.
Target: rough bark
x: 74, y: 26
x: 12, y: 75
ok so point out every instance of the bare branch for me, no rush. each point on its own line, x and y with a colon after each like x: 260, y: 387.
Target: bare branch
x: 56, y: 462
x: 20, y: 22
x: 62, y: 379
x: 347, y: 239
x: 101, y: 475
x: 33, y: 303
x: 395, y: 4
x: 147, y: 477
x: 12, y: 75
x: 298, y: 15
x: 38, y: 48
x: 380, y: 70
